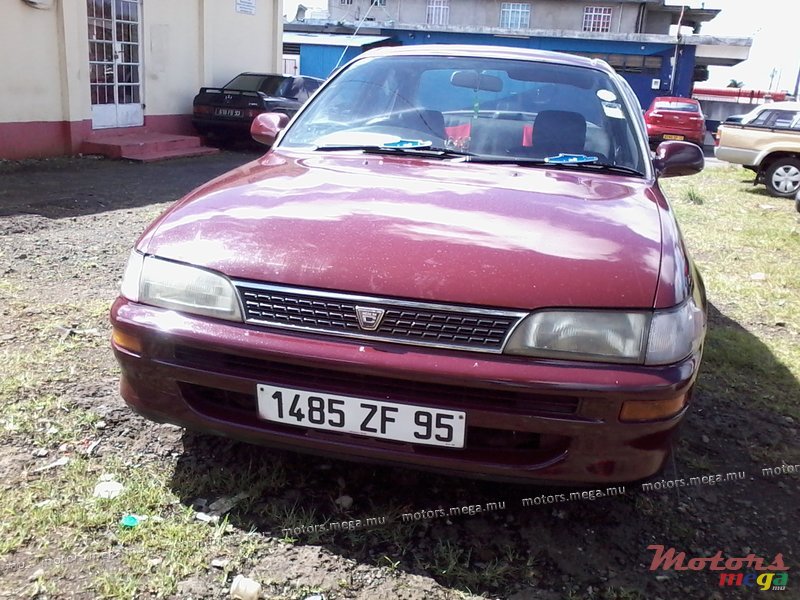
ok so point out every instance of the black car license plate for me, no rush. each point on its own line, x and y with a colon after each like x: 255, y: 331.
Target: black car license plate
x: 227, y: 112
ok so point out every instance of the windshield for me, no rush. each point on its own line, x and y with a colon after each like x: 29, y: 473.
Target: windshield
x: 493, y: 108
x: 679, y: 106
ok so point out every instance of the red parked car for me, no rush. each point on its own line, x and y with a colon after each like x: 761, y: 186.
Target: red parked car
x: 673, y: 118
x: 453, y: 258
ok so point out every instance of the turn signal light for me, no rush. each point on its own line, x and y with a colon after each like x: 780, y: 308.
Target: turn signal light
x: 651, y: 410
x: 126, y: 341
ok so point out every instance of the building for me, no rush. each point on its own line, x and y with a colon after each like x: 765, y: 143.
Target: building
x: 633, y: 37
x: 317, y: 54
x: 73, y: 70
x: 621, y: 16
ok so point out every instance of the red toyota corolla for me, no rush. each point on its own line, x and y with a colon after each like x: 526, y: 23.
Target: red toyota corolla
x: 453, y: 258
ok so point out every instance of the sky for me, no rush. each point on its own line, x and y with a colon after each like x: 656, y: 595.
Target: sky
x: 773, y: 25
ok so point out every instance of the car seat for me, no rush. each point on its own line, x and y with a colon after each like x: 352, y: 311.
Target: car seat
x: 558, y: 131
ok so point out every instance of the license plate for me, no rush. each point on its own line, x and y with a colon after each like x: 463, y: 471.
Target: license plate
x: 372, y: 418
x: 227, y: 112
x: 672, y: 137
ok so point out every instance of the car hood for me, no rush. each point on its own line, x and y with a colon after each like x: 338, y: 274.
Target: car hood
x: 466, y: 233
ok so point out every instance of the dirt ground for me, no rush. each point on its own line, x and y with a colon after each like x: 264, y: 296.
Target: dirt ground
x: 66, y: 227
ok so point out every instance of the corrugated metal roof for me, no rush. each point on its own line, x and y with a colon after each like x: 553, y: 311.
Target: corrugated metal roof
x: 332, y: 39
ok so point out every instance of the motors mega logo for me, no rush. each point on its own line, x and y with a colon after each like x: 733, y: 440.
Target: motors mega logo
x: 761, y: 575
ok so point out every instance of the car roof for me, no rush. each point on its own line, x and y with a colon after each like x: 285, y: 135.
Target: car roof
x: 674, y: 99
x: 264, y: 74
x: 788, y: 105
x: 489, y: 52
x: 277, y: 75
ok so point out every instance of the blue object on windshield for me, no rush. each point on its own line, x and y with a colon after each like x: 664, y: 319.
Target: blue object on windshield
x: 407, y: 144
x: 565, y: 159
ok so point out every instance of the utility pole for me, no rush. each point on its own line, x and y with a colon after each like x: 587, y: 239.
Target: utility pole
x: 797, y: 84
x: 675, y: 56
x: 772, y: 77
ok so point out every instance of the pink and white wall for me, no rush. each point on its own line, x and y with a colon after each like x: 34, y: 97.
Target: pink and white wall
x: 46, y: 102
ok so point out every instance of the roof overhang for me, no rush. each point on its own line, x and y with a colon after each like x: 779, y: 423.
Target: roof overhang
x: 721, y: 55
x: 710, y: 50
x: 713, y: 51
x: 332, y: 39
x: 690, y: 15
x: 641, y: 38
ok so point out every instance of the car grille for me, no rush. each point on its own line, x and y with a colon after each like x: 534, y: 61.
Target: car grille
x: 456, y: 397
x: 405, y: 322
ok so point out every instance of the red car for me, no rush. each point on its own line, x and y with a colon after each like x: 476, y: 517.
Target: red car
x: 454, y: 258
x: 673, y: 118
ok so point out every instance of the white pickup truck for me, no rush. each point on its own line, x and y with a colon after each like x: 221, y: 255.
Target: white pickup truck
x: 769, y: 145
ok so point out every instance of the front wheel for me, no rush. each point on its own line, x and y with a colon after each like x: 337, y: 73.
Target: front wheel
x: 783, y: 177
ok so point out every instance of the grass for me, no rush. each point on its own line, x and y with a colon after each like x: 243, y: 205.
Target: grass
x: 745, y: 243
x: 59, y: 509
x: 44, y: 359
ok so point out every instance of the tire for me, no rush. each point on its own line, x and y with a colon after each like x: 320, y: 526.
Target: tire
x: 783, y: 177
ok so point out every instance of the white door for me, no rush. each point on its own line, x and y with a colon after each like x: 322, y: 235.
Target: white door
x: 114, y: 63
x: 291, y: 64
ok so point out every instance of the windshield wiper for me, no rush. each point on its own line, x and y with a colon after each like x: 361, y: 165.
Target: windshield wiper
x: 606, y: 168
x: 426, y: 151
x: 542, y: 162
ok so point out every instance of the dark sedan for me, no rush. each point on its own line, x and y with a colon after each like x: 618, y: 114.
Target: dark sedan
x: 456, y: 258
x: 228, y: 111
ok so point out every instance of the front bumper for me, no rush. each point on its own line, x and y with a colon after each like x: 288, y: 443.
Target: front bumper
x: 535, y: 420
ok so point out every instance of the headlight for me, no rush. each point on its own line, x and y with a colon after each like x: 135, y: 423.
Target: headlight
x: 133, y: 273
x: 675, y: 334
x: 158, y: 282
x: 581, y: 335
x: 654, y: 338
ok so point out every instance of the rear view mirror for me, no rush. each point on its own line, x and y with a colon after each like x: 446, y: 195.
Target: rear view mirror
x: 266, y: 127
x: 674, y: 159
x: 473, y: 80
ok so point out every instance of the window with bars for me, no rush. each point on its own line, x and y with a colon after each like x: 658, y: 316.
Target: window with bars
x: 438, y: 12
x: 597, y: 19
x: 515, y: 15
x: 378, y: 2
x: 345, y: 1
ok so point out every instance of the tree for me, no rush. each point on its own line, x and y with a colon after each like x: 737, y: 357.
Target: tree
x: 735, y: 84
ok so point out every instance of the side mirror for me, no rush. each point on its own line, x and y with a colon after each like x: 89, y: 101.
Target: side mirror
x: 674, y: 159
x: 266, y: 127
